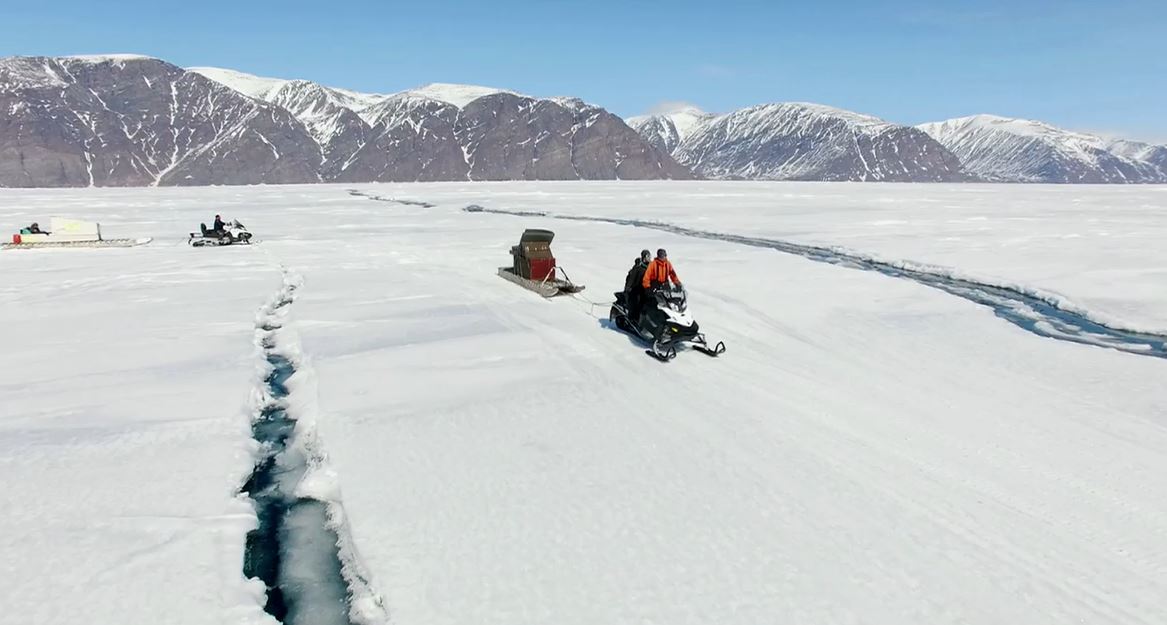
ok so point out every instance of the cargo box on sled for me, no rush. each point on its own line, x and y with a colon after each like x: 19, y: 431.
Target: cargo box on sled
x: 533, y: 266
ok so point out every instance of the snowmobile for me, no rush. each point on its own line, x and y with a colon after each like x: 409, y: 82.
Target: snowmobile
x: 232, y: 233
x: 664, y: 323
x: 533, y: 266
x: 67, y: 233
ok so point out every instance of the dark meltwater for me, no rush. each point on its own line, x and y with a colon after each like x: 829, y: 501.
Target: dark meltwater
x: 293, y: 550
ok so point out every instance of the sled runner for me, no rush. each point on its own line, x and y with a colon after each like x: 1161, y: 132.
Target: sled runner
x: 67, y: 233
x: 533, y: 266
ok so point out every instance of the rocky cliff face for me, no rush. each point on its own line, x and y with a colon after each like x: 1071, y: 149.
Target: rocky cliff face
x: 510, y: 137
x: 667, y: 130
x: 129, y: 121
x: 123, y: 120
x: 407, y: 138
x: 460, y: 132
x: 797, y: 141
x: 1003, y: 149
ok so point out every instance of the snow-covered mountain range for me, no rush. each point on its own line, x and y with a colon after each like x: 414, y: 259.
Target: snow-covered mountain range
x: 126, y: 120
x: 666, y: 131
x: 798, y: 141
x: 123, y: 120
x: 1018, y: 150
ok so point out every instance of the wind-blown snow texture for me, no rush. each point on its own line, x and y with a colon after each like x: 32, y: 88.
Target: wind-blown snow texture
x: 1018, y: 150
x: 868, y: 450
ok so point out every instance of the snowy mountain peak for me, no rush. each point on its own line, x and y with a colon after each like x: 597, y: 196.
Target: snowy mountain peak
x: 667, y: 130
x: 24, y: 72
x: 458, y: 95
x: 688, y: 109
x: 810, y: 111
x: 806, y: 141
x: 1021, y: 150
x: 1011, y: 125
x: 258, y: 87
x: 1140, y: 151
x: 108, y: 58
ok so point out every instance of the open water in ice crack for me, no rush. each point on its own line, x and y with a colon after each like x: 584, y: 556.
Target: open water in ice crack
x: 1025, y: 310
x: 294, y: 551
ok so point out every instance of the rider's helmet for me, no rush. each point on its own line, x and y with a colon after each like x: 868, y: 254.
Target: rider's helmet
x: 645, y: 256
x: 662, y: 254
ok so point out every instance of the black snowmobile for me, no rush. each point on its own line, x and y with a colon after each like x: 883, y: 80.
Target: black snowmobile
x: 231, y: 234
x: 664, y: 323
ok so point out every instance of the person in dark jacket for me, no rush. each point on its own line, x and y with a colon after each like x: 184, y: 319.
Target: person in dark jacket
x: 633, y: 289
x: 219, y: 226
x: 35, y: 228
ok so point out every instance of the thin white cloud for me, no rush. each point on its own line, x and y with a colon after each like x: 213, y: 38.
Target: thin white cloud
x: 669, y: 106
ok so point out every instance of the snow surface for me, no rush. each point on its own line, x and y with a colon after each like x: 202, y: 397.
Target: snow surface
x: 672, y: 127
x: 687, y: 119
x: 268, y: 89
x: 806, y: 141
x: 1003, y: 148
x: 1135, y: 150
x: 108, y: 58
x: 250, y: 85
x: 868, y: 450
x: 458, y: 95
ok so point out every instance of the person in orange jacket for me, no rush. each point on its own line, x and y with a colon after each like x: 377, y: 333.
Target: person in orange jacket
x: 660, y: 271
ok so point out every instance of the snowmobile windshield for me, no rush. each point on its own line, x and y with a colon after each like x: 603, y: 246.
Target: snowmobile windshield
x: 676, y: 298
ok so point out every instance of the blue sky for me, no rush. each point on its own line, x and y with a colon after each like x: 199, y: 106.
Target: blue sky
x: 1098, y: 66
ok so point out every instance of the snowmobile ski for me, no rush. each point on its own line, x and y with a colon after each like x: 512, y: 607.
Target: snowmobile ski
x: 664, y: 324
x: 714, y: 352
x: 234, y: 233
x: 663, y: 353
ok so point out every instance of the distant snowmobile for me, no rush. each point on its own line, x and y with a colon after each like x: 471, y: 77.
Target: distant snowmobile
x: 67, y: 233
x: 233, y: 232
x: 664, y: 323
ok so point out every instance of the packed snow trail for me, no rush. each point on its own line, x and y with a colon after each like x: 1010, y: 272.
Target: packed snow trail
x: 295, y: 550
x: 1027, y: 310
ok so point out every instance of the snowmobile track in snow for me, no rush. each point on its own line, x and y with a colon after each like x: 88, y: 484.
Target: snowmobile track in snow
x: 295, y: 550
x: 1041, y: 315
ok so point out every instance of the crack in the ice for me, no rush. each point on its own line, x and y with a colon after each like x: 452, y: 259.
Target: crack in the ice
x: 1030, y: 311
x: 381, y: 198
x: 294, y: 551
